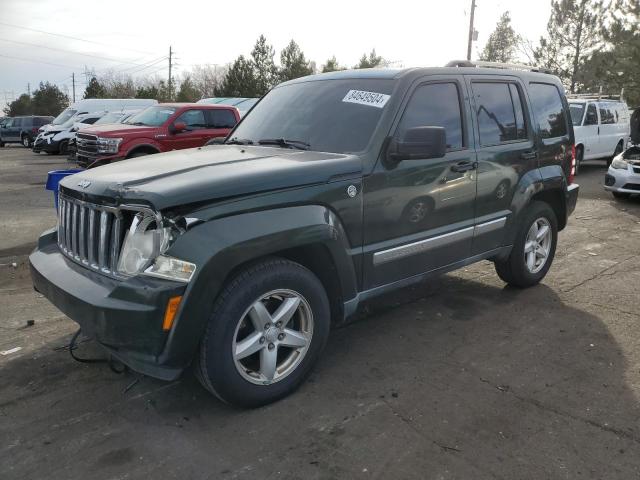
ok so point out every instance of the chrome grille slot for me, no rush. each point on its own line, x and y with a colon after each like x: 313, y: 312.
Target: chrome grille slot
x: 91, y: 234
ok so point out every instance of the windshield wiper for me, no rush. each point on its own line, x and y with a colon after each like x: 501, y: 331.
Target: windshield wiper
x: 239, y: 141
x: 284, y: 143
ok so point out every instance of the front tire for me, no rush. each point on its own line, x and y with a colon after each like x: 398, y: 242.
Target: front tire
x: 533, y: 249
x: 267, y: 330
x: 63, y: 149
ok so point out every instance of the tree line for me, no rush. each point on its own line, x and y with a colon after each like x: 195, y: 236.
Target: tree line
x: 589, y: 44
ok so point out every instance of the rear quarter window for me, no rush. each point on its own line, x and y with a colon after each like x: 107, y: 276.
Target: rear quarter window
x: 548, y: 110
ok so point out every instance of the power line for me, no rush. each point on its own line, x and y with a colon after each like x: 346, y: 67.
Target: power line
x: 72, y: 38
x: 68, y: 51
x: 36, y: 61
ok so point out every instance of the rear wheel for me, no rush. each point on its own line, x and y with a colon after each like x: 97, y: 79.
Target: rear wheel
x: 268, y: 328
x: 26, y: 141
x: 616, y: 152
x: 533, y: 249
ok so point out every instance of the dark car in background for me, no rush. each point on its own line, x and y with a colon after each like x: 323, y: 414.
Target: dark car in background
x: 22, y: 129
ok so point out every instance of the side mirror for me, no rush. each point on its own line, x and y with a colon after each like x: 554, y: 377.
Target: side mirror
x: 419, y: 143
x: 178, y: 127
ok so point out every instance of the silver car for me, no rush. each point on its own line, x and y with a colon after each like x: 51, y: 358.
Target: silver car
x: 623, y: 177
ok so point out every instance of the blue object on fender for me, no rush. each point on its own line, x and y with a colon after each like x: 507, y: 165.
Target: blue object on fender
x: 53, y: 179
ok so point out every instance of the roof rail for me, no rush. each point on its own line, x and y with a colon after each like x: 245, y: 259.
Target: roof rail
x: 506, y: 66
x: 597, y: 96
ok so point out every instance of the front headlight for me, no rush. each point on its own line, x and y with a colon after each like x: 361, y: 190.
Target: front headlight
x: 144, y: 244
x: 619, y: 163
x: 108, y: 145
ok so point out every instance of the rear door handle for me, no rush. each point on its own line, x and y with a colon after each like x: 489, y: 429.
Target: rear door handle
x: 464, y: 166
x: 529, y: 155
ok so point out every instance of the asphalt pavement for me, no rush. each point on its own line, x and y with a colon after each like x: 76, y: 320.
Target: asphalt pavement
x: 457, y: 378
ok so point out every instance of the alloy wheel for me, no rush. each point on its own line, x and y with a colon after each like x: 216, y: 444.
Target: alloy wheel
x: 538, y: 245
x: 272, y: 337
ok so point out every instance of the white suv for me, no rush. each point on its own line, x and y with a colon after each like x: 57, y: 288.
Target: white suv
x: 601, y: 128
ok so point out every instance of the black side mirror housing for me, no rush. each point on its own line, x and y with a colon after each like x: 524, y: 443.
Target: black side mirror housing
x: 419, y: 143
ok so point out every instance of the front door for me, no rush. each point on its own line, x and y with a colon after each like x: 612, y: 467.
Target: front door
x: 195, y: 133
x: 419, y: 213
x: 506, y: 151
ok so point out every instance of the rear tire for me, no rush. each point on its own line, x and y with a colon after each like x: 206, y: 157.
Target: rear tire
x: 518, y: 269
x: 238, y: 325
x: 26, y: 141
x: 616, y: 152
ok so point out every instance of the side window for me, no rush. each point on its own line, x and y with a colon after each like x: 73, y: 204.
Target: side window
x: 500, y: 117
x: 220, y: 118
x: 548, y: 110
x: 193, y: 119
x: 592, y: 115
x: 17, y: 122
x: 435, y: 105
x: 606, y: 115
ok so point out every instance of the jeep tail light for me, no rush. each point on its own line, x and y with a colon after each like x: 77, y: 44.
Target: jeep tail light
x: 34, y: 130
x: 572, y: 170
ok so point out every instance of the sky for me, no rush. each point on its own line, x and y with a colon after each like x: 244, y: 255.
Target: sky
x: 133, y: 36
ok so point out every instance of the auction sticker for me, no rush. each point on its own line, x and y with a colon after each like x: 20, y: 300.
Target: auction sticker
x: 372, y: 99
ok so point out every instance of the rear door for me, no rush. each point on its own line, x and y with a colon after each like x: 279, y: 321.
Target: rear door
x: 13, y: 133
x: 419, y: 214
x: 506, y: 151
x: 220, y: 121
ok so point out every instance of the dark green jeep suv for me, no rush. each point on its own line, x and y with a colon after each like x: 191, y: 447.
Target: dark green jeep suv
x: 335, y: 188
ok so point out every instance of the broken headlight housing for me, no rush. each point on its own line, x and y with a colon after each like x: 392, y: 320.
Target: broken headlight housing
x: 144, y: 246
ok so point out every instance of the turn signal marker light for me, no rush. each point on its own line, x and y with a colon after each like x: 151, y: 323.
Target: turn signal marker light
x: 170, y: 312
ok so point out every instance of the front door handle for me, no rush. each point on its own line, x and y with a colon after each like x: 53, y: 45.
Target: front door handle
x: 464, y: 166
x: 529, y: 155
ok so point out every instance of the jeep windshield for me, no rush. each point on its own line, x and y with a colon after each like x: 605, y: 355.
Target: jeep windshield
x: 336, y: 116
x: 151, y: 117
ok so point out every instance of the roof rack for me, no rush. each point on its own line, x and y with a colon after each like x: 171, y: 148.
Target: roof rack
x: 504, y: 66
x: 597, y: 96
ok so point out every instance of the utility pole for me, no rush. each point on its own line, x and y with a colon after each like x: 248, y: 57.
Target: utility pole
x: 29, y: 89
x: 73, y: 82
x: 473, y: 11
x: 170, y: 86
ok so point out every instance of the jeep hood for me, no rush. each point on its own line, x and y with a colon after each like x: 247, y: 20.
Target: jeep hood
x: 210, y: 173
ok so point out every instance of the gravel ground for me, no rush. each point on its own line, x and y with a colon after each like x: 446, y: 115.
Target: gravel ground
x: 457, y: 378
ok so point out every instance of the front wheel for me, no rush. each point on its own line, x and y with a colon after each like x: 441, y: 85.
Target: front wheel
x: 64, y: 147
x: 267, y: 330
x: 533, y: 249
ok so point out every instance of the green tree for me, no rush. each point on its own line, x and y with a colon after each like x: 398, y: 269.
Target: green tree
x: 240, y: 80
x: 293, y: 63
x: 502, y: 43
x: 48, y: 100
x: 573, y: 33
x: 95, y: 89
x: 331, y: 65
x: 188, y: 91
x: 265, y: 70
x: 617, y: 64
x: 20, y: 106
x: 371, y: 61
x: 147, y: 91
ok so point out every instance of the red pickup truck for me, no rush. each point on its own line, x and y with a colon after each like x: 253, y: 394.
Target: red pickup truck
x: 160, y: 128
